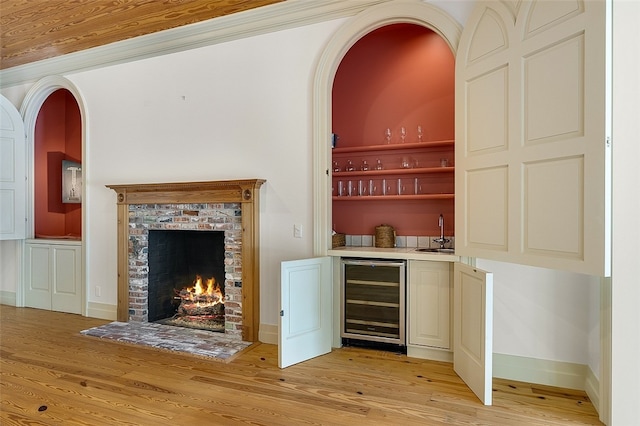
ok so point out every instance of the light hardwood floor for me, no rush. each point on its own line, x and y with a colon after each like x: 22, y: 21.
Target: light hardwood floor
x: 50, y: 374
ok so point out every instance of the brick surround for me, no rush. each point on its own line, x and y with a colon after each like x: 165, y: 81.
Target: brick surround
x: 206, y: 217
x: 232, y: 206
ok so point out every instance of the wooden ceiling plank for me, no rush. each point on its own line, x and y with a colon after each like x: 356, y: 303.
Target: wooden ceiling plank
x: 33, y: 31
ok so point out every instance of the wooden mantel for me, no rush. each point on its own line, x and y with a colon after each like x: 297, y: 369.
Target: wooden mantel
x: 244, y: 191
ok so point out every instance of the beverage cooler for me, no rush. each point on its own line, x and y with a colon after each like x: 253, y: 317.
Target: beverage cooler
x: 373, y: 300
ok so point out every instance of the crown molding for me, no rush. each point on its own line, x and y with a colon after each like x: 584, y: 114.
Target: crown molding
x: 275, y: 17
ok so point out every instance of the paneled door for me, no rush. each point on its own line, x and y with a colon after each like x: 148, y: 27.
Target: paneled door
x: 532, y: 127
x: 473, y: 329
x: 53, y: 275
x: 12, y: 172
x: 306, y: 311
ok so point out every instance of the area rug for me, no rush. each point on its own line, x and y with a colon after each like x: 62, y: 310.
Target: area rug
x: 192, y: 341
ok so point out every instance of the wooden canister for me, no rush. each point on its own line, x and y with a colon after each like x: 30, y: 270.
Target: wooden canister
x: 385, y: 236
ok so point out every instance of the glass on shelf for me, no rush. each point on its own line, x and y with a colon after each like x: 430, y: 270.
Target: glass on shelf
x: 401, y: 188
x: 387, y: 135
x: 365, y: 166
x: 403, y: 133
x: 362, y: 188
x: 420, y: 134
x: 336, y: 167
x: 349, y: 167
x: 378, y: 165
x: 373, y: 187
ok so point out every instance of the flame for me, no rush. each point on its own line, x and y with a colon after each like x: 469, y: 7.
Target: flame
x: 205, y: 297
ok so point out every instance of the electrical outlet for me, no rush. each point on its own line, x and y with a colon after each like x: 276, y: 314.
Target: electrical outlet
x: 297, y: 231
x: 98, y: 291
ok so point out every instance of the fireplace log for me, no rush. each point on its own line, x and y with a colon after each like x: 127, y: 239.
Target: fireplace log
x: 194, y: 309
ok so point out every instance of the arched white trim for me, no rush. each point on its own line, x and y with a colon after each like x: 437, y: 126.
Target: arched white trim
x: 412, y: 12
x: 29, y: 110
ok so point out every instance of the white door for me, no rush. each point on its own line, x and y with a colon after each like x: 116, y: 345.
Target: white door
x: 53, y: 276
x: 66, y: 295
x: 473, y: 329
x: 12, y: 172
x: 37, y: 278
x: 532, y: 127
x: 304, y: 330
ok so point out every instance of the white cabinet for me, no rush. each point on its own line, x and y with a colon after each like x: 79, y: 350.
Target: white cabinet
x: 12, y: 172
x: 429, y: 305
x: 53, y: 275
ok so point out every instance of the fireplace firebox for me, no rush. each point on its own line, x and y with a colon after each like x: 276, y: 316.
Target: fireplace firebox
x: 186, y: 278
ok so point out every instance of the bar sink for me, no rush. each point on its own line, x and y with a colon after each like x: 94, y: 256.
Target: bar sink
x: 436, y: 250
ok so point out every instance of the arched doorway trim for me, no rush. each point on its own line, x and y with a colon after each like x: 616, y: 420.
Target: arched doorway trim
x: 29, y: 110
x: 410, y: 12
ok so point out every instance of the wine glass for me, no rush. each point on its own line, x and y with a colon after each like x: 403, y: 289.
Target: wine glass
x: 420, y: 134
x: 403, y: 133
x: 387, y: 135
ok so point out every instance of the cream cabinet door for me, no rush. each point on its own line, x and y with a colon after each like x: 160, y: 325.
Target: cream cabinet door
x: 53, y: 276
x: 532, y: 127
x: 12, y: 172
x: 473, y: 329
x: 306, y: 309
x: 429, y: 297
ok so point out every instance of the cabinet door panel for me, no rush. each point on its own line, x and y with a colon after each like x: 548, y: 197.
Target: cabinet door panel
x: 532, y: 121
x: 429, y: 304
x: 67, y: 289
x: 38, y: 288
x: 12, y: 172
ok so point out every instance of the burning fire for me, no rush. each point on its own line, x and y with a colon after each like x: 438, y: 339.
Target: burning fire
x: 212, y: 295
x: 201, y: 306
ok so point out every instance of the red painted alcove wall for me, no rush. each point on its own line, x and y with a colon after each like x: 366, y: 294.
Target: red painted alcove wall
x: 58, y: 137
x: 398, y: 75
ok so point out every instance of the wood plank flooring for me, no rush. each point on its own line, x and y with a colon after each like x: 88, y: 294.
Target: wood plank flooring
x: 50, y: 374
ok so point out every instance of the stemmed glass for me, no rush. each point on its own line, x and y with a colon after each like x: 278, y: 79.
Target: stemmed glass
x: 387, y: 135
x: 403, y: 133
x: 420, y: 133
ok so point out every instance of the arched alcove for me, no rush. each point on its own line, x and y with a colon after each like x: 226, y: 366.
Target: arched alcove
x: 64, y: 257
x: 30, y: 110
x: 376, y: 17
x: 57, y: 160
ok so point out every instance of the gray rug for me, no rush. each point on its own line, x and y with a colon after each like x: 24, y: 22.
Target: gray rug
x: 193, y: 341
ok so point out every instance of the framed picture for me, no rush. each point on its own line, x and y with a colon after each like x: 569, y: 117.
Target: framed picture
x: 71, y: 182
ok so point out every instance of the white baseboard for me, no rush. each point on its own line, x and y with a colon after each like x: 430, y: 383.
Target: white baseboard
x: 433, y: 354
x: 7, y: 298
x: 532, y: 370
x: 592, y: 388
x: 268, y: 333
x: 102, y: 310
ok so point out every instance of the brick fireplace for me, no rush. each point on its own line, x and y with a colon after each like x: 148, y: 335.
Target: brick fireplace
x: 227, y: 206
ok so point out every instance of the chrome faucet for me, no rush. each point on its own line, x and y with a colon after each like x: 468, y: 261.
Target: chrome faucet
x: 442, y: 240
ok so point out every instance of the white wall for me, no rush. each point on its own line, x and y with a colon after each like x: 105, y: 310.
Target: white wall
x: 625, y: 312
x: 234, y: 110
x: 545, y: 314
